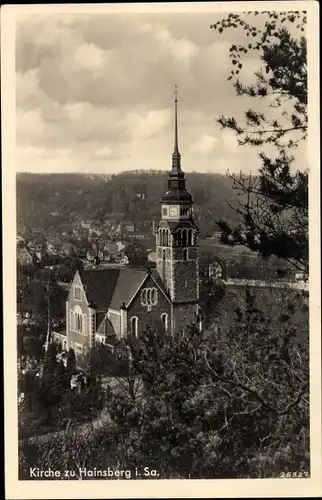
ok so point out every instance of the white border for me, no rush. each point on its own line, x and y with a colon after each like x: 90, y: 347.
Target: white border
x: 163, y: 488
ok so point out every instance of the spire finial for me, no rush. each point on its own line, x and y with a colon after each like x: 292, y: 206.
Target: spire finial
x: 176, y: 148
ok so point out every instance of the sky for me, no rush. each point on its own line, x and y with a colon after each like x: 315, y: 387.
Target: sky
x: 94, y: 93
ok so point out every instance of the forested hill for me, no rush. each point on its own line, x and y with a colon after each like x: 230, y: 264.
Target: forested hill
x: 136, y: 194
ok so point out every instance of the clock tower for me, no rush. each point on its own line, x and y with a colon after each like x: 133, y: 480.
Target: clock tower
x: 177, y: 243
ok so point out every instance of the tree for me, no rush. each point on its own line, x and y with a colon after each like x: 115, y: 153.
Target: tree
x: 209, y: 396
x: 137, y: 253
x: 274, y: 204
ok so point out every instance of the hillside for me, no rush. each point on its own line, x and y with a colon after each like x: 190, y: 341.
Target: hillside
x: 136, y: 194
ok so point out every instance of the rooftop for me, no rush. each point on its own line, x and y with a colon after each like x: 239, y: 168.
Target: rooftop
x: 109, y: 288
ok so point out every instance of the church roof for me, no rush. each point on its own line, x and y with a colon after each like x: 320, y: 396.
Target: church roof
x: 176, y: 196
x: 99, y: 286
x: 109, y: 288
x: 177, y: 193
x: 157, y: 278
x: 127, y: 284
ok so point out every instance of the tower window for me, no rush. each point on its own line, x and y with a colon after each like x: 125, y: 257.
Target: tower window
x: 184, y: 237
x: 77, y: 293
x: 185, y: 254
x: 190, y: 238
x: 163, y: 254
x: 179, y: 238
x: 185, y: 211
x: 165, y: 211
x: 164, y: 319
x: 134, y: 326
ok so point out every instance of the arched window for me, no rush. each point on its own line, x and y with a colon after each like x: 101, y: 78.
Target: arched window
x: 65, y: 345
x: 163, y: 254
x: 160, y: 236
x: 179, y: 237
x: 134, y: 326
x: 184, y: 237
x: 164, y: 319
x: 84, y: 323
x: 71, y: 318
x: 166, y: 238
x: 144, y: 297
x: 154, y: 296
x: 190, y: 240
x: 185, y: 254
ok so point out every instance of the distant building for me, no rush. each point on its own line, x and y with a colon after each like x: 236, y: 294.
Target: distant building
x: 19, y: 239
x: 68, y: 249
x: 24, y: 257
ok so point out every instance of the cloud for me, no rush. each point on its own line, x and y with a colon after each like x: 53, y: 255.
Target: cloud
x: 147, y: 126
x: 88, y: 56
x: 205, y: 145
x: 95, y: 93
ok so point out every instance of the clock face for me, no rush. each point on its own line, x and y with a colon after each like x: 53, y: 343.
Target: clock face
x: 173, y: 211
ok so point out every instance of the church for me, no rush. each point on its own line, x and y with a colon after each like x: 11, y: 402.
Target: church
x: 112, y: 303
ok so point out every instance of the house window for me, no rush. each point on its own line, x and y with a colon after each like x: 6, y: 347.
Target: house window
x: 185, y: 254
x: 77, y: 293
x: 134, y: 326
x: 164, y: 319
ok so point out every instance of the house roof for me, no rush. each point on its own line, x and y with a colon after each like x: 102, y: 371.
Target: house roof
x: 109, y: 288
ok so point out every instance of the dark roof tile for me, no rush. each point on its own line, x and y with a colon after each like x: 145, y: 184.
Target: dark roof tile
x: 99, y: 286
x: 128, y: 283
x: 109, y: 288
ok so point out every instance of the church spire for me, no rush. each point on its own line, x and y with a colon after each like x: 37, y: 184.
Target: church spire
x: 176, y: 149
x: 176, y: 157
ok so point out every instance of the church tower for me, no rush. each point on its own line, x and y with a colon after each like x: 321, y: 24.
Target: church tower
x: 177, y: 242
